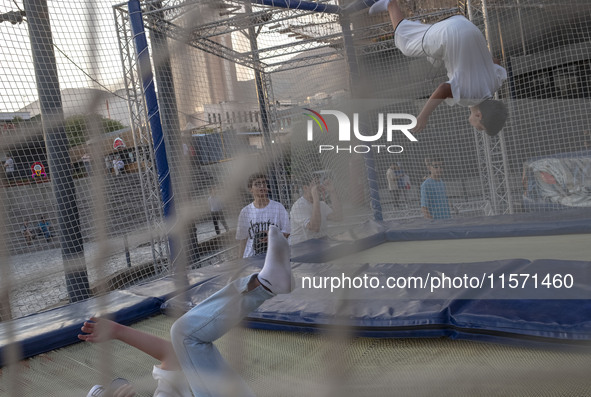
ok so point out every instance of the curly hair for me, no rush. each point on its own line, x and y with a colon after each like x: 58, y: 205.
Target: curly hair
x: 254, y: 177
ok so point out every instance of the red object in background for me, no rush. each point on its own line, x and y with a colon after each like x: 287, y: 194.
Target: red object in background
x: 547, y: 178
x: 118, y: 143
x: 37, y: 169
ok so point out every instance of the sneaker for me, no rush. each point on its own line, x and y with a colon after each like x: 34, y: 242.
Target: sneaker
x: 99, y: 390
x: 96, y: 391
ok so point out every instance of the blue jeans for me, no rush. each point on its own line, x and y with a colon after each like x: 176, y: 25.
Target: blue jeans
x: 192, y: 335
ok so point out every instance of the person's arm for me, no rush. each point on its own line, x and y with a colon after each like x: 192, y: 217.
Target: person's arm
x: 336, y: 206
x: 242, y: 247
x: 425, y: 201
x: 242, y: 232
x: 315, y: 218
x: 439, y: 95
x: 98, y: 330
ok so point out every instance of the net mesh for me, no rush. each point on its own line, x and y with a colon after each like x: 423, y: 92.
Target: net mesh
x: 296, y: 365
x: 88, y: 206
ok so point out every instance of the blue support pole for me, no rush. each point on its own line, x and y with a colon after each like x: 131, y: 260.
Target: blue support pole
x: 301, y: 5
x: 318, y: 7
x: 147, y: 77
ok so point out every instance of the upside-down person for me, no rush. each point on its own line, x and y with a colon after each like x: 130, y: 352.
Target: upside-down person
x: 474, y: 76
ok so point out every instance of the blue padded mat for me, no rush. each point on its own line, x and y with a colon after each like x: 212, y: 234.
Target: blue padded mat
x: 59, y: 327
x: 398, y: 313
x: 52, y: 329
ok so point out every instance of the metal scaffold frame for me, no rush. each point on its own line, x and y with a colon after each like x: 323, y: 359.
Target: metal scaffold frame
x: 491, y: 151
x: 142, y: 139
x: 166, y: 17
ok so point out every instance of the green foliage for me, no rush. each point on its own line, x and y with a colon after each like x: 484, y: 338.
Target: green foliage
x: 78, y: 126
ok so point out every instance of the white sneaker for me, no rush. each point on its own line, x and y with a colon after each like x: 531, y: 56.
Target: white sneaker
x: 379, y: 6
x: 96, y: 391
x: 99, y: 390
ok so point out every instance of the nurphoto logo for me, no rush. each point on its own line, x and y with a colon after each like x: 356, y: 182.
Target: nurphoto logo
x: 395, y: 123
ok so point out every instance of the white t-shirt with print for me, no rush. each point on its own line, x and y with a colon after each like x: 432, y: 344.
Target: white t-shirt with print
x: 301, y: 212
x: 170, y: 383
x: 254, y: 222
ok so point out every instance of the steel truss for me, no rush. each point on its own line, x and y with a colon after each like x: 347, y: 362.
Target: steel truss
x: 142, y: 139
x: 202, y: 36
x: 253, y: 20
x: 492, y: 154
x: 166, y: 17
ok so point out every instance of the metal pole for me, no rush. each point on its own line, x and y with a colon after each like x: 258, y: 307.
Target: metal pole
x: 469, y: 6
x: 126, y: 247
x: 263, y: 99
x: 501, y: 138
x: 160, y: 156
x: 56, y: 142
x: 171, y: 131
x: 261, y: 91
x: 503, y: 150
x: 521, y: 28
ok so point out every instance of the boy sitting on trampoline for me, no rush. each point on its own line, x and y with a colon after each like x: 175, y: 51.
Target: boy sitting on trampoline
x: 474, y: 76
x: 206, y: 373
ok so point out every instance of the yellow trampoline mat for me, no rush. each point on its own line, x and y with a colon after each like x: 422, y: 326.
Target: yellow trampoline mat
x: 279, y: 364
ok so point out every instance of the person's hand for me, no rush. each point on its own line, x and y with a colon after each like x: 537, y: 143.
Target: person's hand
x: 421, y: 124
x: 124, y: 391
x: 328, y: 187
x: 98, y: 330
x: 315, y: 192
x: 263, y: 236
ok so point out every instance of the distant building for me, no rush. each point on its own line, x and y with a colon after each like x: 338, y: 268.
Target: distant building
x: 7, y: 120
x: 233, y: 116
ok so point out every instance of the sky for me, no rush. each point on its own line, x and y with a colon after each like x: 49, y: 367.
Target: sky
x: 76, y: 32
x: 70, y: 30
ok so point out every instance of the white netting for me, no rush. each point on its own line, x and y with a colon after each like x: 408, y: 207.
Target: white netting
x: 236, y: 85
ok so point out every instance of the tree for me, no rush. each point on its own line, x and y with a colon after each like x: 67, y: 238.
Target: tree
x: 78, y: 126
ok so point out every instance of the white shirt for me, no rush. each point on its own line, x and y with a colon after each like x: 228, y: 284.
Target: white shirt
x: 392, y: 180
x: 9, y: 165
x: 301, y: 212
x: 472, y: 74
x: 254, y: 222
x: 171, y: 383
